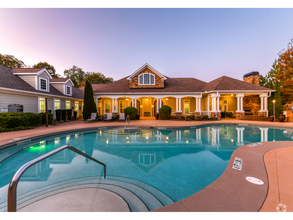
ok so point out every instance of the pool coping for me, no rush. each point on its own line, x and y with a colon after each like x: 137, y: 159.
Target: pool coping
x: 231, y: 192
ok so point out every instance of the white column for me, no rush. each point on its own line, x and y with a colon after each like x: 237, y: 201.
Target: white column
x: 116, y: 105
x: 158, y: 103
x: 218, y: 103
x: 179, y: 105
x: 261, y: 103
x: 199, y: 104
x: 240, y: 102
x: 135, y: 103
x: 196, y: 104
x: 113, y: 109
x: 132, y: 105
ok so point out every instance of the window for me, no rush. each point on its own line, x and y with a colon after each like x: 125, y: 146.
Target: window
x: 57, y: 104
x: 68, y: 104
x: 122, y: 106
x: 146, y: 79
x: 76, y: 107
x: 42, y: 104
x: 68, y: 90
x: 186, y: 106
x: 107, y: 106
x: 43, y: 84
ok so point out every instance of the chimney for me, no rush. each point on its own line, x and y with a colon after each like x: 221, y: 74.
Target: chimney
x: 252, y: 77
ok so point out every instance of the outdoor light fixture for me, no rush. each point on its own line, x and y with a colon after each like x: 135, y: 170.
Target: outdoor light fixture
x: 126, y: 99
x: 141, y: 106
x: 147, y: 98
x: 166, y: 99
x: 231, y: 94
x: 152, y: 106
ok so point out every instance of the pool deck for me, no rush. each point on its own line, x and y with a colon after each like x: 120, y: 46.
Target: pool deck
x: 270, y: 162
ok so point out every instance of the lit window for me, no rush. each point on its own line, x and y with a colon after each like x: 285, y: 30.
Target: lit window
x: 186, y: 106
x: 42, y: 105
x: 67, y: 104
x: 107, y: 106
x: 122, y: 106
x: 57, y: 104
x: 76, y: 107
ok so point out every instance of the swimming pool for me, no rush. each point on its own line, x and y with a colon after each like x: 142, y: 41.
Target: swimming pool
x: 172, y: 164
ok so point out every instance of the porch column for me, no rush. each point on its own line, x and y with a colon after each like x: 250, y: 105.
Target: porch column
x: 264, y: 103
x: 196, y: 104
x: 132, y: 104
x: 158, y: 103
x: 214, y: 109
x: 199, y: 104
x: 114, y: 105
x: 218, y: 103
x: 178, y: 105
x: 135, y: 103
x: 240, y: 102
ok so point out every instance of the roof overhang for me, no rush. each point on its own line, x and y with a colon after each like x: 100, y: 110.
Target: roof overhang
x: 69, y: 80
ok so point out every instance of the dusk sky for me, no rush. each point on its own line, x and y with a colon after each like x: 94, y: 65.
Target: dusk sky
x: 191, y: 42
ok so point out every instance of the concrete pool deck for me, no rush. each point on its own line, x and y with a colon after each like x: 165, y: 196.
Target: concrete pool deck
x: 270, y: 162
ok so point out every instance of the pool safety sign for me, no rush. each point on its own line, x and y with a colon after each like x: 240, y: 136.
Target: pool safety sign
x: 237, y: 163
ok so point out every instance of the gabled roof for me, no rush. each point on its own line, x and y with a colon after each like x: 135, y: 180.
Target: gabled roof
x: 61, y: 80
x: 33, y: 71
x: 228, y: 83
x: 149, y: 67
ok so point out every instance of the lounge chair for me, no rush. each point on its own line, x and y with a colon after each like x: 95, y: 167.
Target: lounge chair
x: 121, y: 117
x: 109, y: 117
x: 92, y: 118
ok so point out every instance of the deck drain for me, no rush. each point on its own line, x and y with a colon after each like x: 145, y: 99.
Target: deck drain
x: 254, y: 180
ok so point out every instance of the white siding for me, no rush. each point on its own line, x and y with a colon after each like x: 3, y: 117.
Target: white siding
x: 30, y: 103
x: 63, y: 104
x: 58, y: 86
x: 31, y: 80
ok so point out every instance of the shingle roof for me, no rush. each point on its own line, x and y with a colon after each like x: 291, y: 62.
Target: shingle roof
x: 26, y: 70
x: 228, y: 83
x: 11, y: 81
x: 179, y: 85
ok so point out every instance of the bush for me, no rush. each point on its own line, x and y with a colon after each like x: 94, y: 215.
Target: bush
x: 174, y: 117
x: 198, y: 118
x: 189, y: 118
x: 131, y: 111
x: 89, y: 106
x: 43, y: 117
x: 181, y: 117
x: 115, y: 117
x: 165, y: 112
x: 74, y: 114
x: 205, y: 117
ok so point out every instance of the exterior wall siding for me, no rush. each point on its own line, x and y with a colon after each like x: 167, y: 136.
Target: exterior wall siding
x: 31, y: 80
x: 60, y: 87
x: 30, y: 103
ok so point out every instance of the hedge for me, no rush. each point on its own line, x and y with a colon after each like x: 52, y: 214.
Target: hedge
x: 14, y: 121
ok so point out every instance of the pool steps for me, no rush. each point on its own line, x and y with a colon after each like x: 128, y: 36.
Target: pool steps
x: 139, y: 196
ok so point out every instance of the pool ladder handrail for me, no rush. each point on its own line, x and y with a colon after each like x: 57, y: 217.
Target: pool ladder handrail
x: 127, y: 119
x: 11, y: 197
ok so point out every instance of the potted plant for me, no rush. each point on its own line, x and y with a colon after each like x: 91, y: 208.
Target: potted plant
x: 271, y: 118
x: 281, y: 118
x: 75, y: 114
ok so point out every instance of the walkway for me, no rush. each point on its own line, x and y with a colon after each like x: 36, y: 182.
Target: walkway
x: 230, y: 192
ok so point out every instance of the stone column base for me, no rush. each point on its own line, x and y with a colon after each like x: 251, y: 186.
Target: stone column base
x: 216, y: 115
x: 178, y: 114
x: 240, y: 115
x: 262, y: 114
x: 197, y: 114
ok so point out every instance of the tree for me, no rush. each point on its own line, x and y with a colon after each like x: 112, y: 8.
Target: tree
x: 285, y: 75
x: 76, y: 75
x: 11, y: 61
x: 49, y: 68
x: 270, y: 81
x: 96, y: 78
x: 89, y: 103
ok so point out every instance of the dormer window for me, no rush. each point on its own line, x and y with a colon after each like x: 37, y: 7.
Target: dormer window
x: 68, y: 90
x: 43, y: 84
x: 146, y: 79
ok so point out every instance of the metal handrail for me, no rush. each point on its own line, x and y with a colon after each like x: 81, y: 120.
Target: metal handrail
x: 11, y: 197
x: 127, y: 118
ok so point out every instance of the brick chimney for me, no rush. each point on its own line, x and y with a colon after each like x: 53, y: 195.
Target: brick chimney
x: 252, y: 77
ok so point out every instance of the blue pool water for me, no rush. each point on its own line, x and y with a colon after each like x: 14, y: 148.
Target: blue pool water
x: 179, y: 163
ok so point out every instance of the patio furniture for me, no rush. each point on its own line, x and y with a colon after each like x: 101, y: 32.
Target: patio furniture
x: 122, y: 117
x: 92, y: 118
x: 109, y: 117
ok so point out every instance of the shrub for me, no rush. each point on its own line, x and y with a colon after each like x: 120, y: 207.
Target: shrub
x: 74, y: 114
x: 131, y: 111
x: 43, y: 117
x: 198, y: 118
x: 205, y: 117
x: 189, y: 118
x: 165, y: 112
x: 174, y: 117
x: 181, y: 117
x: 115, y: 117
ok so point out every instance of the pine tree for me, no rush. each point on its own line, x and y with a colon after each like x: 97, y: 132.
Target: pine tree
x: 89, y: 103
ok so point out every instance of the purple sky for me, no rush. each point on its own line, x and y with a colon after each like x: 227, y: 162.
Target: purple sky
x: 200, y: 43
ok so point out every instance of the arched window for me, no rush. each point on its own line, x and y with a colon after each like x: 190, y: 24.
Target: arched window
x: 146, y: 79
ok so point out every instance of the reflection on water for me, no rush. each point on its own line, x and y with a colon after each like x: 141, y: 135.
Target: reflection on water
x: 177, y: 162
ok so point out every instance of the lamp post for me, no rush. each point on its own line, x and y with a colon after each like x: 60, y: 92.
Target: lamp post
x: 274, y: 101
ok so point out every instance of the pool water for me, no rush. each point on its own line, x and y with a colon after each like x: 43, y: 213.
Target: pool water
x: 179, y: 163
